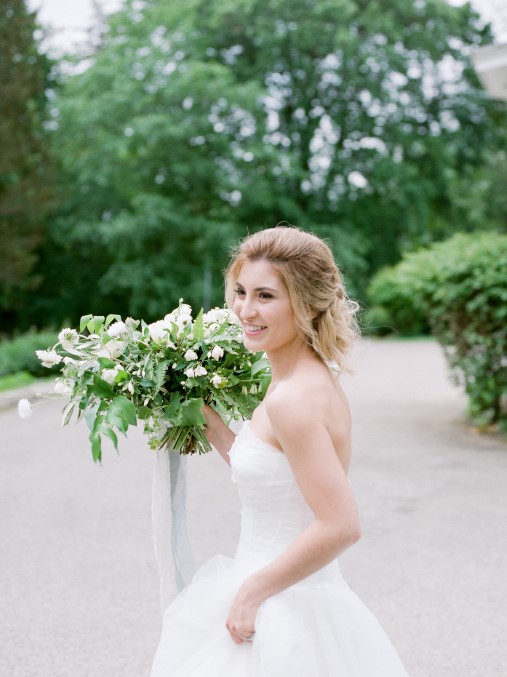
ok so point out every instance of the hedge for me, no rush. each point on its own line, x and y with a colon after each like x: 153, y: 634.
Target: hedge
x: 18, y: 354
x: 459, y: 287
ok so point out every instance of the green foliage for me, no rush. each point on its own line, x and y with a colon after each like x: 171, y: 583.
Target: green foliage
x: 18, y: 354
x: 394, y: 306
x: 25, y: 167
x: 460, y: 287
x: 17, y: 380
x: 195, y: 123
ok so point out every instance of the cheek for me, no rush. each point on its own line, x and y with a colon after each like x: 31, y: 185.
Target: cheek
x: 236, y: 306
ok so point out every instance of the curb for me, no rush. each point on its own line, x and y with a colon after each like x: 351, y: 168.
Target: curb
x: 10, y: 398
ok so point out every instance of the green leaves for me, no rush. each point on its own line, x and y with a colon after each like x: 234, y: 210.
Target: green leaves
x: 184, y: 413
x: 120, y: 413
x: 198, y: 326
x: 459, y: 287
x: 92, y: 323
x: 101, y: 388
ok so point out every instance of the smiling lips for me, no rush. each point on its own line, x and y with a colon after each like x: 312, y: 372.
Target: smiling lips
x: 252, y: 329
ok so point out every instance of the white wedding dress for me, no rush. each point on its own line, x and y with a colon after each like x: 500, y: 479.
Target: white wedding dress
x: 316, y: 628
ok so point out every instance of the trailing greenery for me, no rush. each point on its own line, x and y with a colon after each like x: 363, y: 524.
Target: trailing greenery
x: 459, y: 287
x: 18, y: 354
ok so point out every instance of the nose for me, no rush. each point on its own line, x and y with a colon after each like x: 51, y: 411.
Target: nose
x: 247, y: 309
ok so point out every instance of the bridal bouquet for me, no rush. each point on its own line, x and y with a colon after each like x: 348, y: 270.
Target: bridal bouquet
x: 117, y: 372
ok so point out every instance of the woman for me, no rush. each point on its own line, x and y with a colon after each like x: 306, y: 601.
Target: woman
x: 281, y: 607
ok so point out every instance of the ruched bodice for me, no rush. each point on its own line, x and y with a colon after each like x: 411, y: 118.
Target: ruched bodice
x: 273, y: 509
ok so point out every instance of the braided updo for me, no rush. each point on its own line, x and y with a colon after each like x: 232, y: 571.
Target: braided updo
x: 324, y: 314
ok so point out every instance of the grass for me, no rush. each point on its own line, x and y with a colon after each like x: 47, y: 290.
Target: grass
x: 17, y: 380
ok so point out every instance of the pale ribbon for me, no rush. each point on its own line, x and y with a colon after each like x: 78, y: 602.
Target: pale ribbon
x: 169, y: 517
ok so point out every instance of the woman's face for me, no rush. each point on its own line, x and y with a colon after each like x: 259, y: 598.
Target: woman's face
x: 263, y: 306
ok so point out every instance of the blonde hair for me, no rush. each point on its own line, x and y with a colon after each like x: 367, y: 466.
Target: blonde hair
x: 324, y: 314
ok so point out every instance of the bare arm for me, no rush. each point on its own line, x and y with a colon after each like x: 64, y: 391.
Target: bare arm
x: 325, y: 487
x: 219, y: 435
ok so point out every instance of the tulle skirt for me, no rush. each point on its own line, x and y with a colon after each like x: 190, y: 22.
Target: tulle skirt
x: 308, y: 630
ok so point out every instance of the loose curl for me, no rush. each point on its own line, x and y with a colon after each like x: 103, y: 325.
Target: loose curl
x: 324, y: 314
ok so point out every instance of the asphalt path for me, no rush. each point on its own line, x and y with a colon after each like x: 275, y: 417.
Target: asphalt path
x: 79, y: 592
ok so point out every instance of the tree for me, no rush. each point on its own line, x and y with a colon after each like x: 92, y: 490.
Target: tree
x: 25, y: 186
x: 196, y: 122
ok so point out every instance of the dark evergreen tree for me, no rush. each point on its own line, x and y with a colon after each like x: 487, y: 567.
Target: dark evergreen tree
x: 25, y: 171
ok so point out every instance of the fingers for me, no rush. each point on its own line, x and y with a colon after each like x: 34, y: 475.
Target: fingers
x: 242, y: 635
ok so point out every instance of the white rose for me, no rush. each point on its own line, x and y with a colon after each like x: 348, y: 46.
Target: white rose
x: 183, y: 320
x: 48, y: 357
x: 115, y: 348
x: 184, y: 309
x: 200, y: 370
x: 190, y: 355
x: 189, y: 373
x: 109, y: 375
x: 211, y: 328
x: 217, y: 353
x: 24, y: 408
x: 211, y: 316
x: 117, y: 329
x: 217, y: 380
x: 68, y: 338
x: 170, y: 317
x: 158, y: 330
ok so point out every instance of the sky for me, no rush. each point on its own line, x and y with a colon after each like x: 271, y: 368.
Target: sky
x: 70, y: 20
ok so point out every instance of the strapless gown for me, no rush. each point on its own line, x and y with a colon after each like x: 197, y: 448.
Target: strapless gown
x: 316, y: 628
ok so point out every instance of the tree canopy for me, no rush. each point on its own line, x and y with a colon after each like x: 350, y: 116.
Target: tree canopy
x: 196, y: 123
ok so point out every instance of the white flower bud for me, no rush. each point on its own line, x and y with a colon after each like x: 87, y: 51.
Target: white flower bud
x: 109, y: 375
x: 62, y: 388
x: 216, y: 380
x: 115, y: 348
x: 217, y: 353
x: 24, y: 408
x: 190, y: 355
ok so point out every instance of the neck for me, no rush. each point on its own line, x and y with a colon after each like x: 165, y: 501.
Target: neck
x: 284, y: 360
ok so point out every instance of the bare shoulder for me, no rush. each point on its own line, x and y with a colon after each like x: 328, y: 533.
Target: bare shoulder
x: 310, y: 405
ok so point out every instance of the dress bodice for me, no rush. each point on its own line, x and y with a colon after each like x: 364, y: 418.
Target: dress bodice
x: 273, y: 509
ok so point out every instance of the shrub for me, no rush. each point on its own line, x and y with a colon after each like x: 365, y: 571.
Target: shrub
x: 393, y: 308
x: 18, y: 354
x: 460, y: 287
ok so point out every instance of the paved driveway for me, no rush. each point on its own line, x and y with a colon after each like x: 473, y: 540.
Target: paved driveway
x: 79, y: 588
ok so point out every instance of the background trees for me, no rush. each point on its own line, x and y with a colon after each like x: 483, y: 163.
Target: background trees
x: 191, y: 125
x: 25, y: 171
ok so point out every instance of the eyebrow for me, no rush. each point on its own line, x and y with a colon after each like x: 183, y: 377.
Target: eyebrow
x: 238, y: 284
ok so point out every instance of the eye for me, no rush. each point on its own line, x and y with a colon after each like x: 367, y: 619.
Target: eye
x: 265, y: 295
x: 239, y: 291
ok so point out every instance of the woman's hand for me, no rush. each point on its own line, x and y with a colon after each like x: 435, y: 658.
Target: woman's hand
x: 241, y: 619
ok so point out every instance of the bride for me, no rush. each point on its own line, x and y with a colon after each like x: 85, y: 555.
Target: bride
x: 280, y: 606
